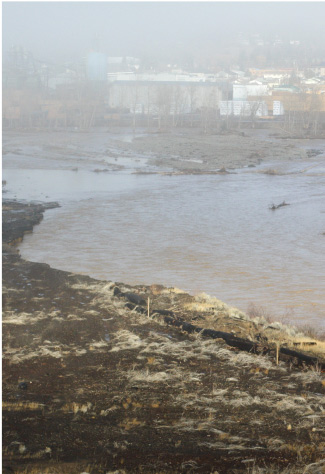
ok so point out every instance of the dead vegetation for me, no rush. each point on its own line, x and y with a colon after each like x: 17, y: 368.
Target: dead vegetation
x: 271, y: 172
x: 92, y: 383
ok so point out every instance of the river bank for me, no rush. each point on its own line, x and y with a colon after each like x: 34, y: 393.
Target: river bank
x: 92, y: 384
x: 206, y: 229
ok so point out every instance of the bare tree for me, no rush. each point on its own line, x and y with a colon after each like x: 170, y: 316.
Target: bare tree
x: 255, y: 108
x: 150, y: 99
x: 134, y: 101
x: 192, y: 97
x: 163, y: 102
x: 178, y: 102
x: 209, y: 107
x: 314, y: 112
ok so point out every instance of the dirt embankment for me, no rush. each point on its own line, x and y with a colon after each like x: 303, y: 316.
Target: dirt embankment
x: 94, y: 383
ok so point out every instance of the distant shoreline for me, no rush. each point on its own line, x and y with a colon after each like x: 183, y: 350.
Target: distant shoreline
x: 182, y: 151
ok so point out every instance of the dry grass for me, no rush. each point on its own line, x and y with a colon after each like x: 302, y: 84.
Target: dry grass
x: 300, y: 338
x: 315, y: 468
x: 312, y: 332
x: 255, y: 311
x: 217, y: 315
x: 126, y: 340
x: 184, y: 388
x: 206, y: 303
x: 175, y: 290
x: 22, y: 319
x: 175, y: 376
x: 77, y: 407
x: 55, y: 468
x: 271, y: 172
x: 22, y: 406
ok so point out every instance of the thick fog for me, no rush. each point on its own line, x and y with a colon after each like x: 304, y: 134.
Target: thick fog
x: 62, y: 30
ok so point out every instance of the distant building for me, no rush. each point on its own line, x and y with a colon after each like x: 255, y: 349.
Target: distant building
x: 128, y: 60
x: 312, y: 81
x: 303, y: 102
x: 166, y: 93
x: 97, y: 67
x: 166, y: 77
x: 243, y: 91
x: 247, y: 101
x: 273, y: 77
x: 244, y: 108
x: 278, y: 108
x: 288, y: 88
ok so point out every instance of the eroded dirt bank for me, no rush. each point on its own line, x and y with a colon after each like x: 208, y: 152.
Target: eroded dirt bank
x: 92, y: 384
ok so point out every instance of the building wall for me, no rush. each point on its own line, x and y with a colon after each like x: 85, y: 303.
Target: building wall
x: 18, y: 104
x: 242, y: 91
x: 167, y: 98
x: 243, y: 108
x: 23, y: 108
x: 278, y: 108
x: 239, y: 92
x: 167, y: 77
x: 97, y: 67
x: 299, y: 102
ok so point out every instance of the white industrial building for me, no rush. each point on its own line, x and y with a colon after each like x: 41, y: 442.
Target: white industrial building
x: 243, y: 108
x: 243, y: 91
x: 161, y: 77
x: 278, y: 108
x: 166, y: 93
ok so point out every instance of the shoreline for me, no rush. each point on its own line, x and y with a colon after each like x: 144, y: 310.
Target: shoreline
x: 31, y: 214
x: 87, y: 350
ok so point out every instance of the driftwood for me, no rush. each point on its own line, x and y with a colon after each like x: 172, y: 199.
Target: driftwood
x: 240, y: 343
x: 136, y: 303
x: 134, y: 298
x: 231, y: 340
x: 303, y: 358
x: 274, y: 207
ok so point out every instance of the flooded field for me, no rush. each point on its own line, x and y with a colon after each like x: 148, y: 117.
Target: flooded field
x: 211, y: 233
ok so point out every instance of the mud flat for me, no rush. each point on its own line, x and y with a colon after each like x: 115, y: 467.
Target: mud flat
x: 182, y: 150
x: 96, y: 381
x: 194, y: 152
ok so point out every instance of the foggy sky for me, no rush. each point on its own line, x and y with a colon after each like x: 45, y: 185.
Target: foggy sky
x: 60, y: 30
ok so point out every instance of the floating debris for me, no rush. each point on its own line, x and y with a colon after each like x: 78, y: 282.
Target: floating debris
x: 273, y: 207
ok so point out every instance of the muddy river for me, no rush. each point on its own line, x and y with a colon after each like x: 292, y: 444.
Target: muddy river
x: 211, y: 233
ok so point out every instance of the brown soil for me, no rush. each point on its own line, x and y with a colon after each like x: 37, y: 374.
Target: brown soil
x: 92, y: 384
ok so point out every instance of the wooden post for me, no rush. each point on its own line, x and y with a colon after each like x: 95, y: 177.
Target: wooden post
x: 277, y: 347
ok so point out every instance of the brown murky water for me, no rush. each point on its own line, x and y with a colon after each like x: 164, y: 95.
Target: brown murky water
x: 200, y: 233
